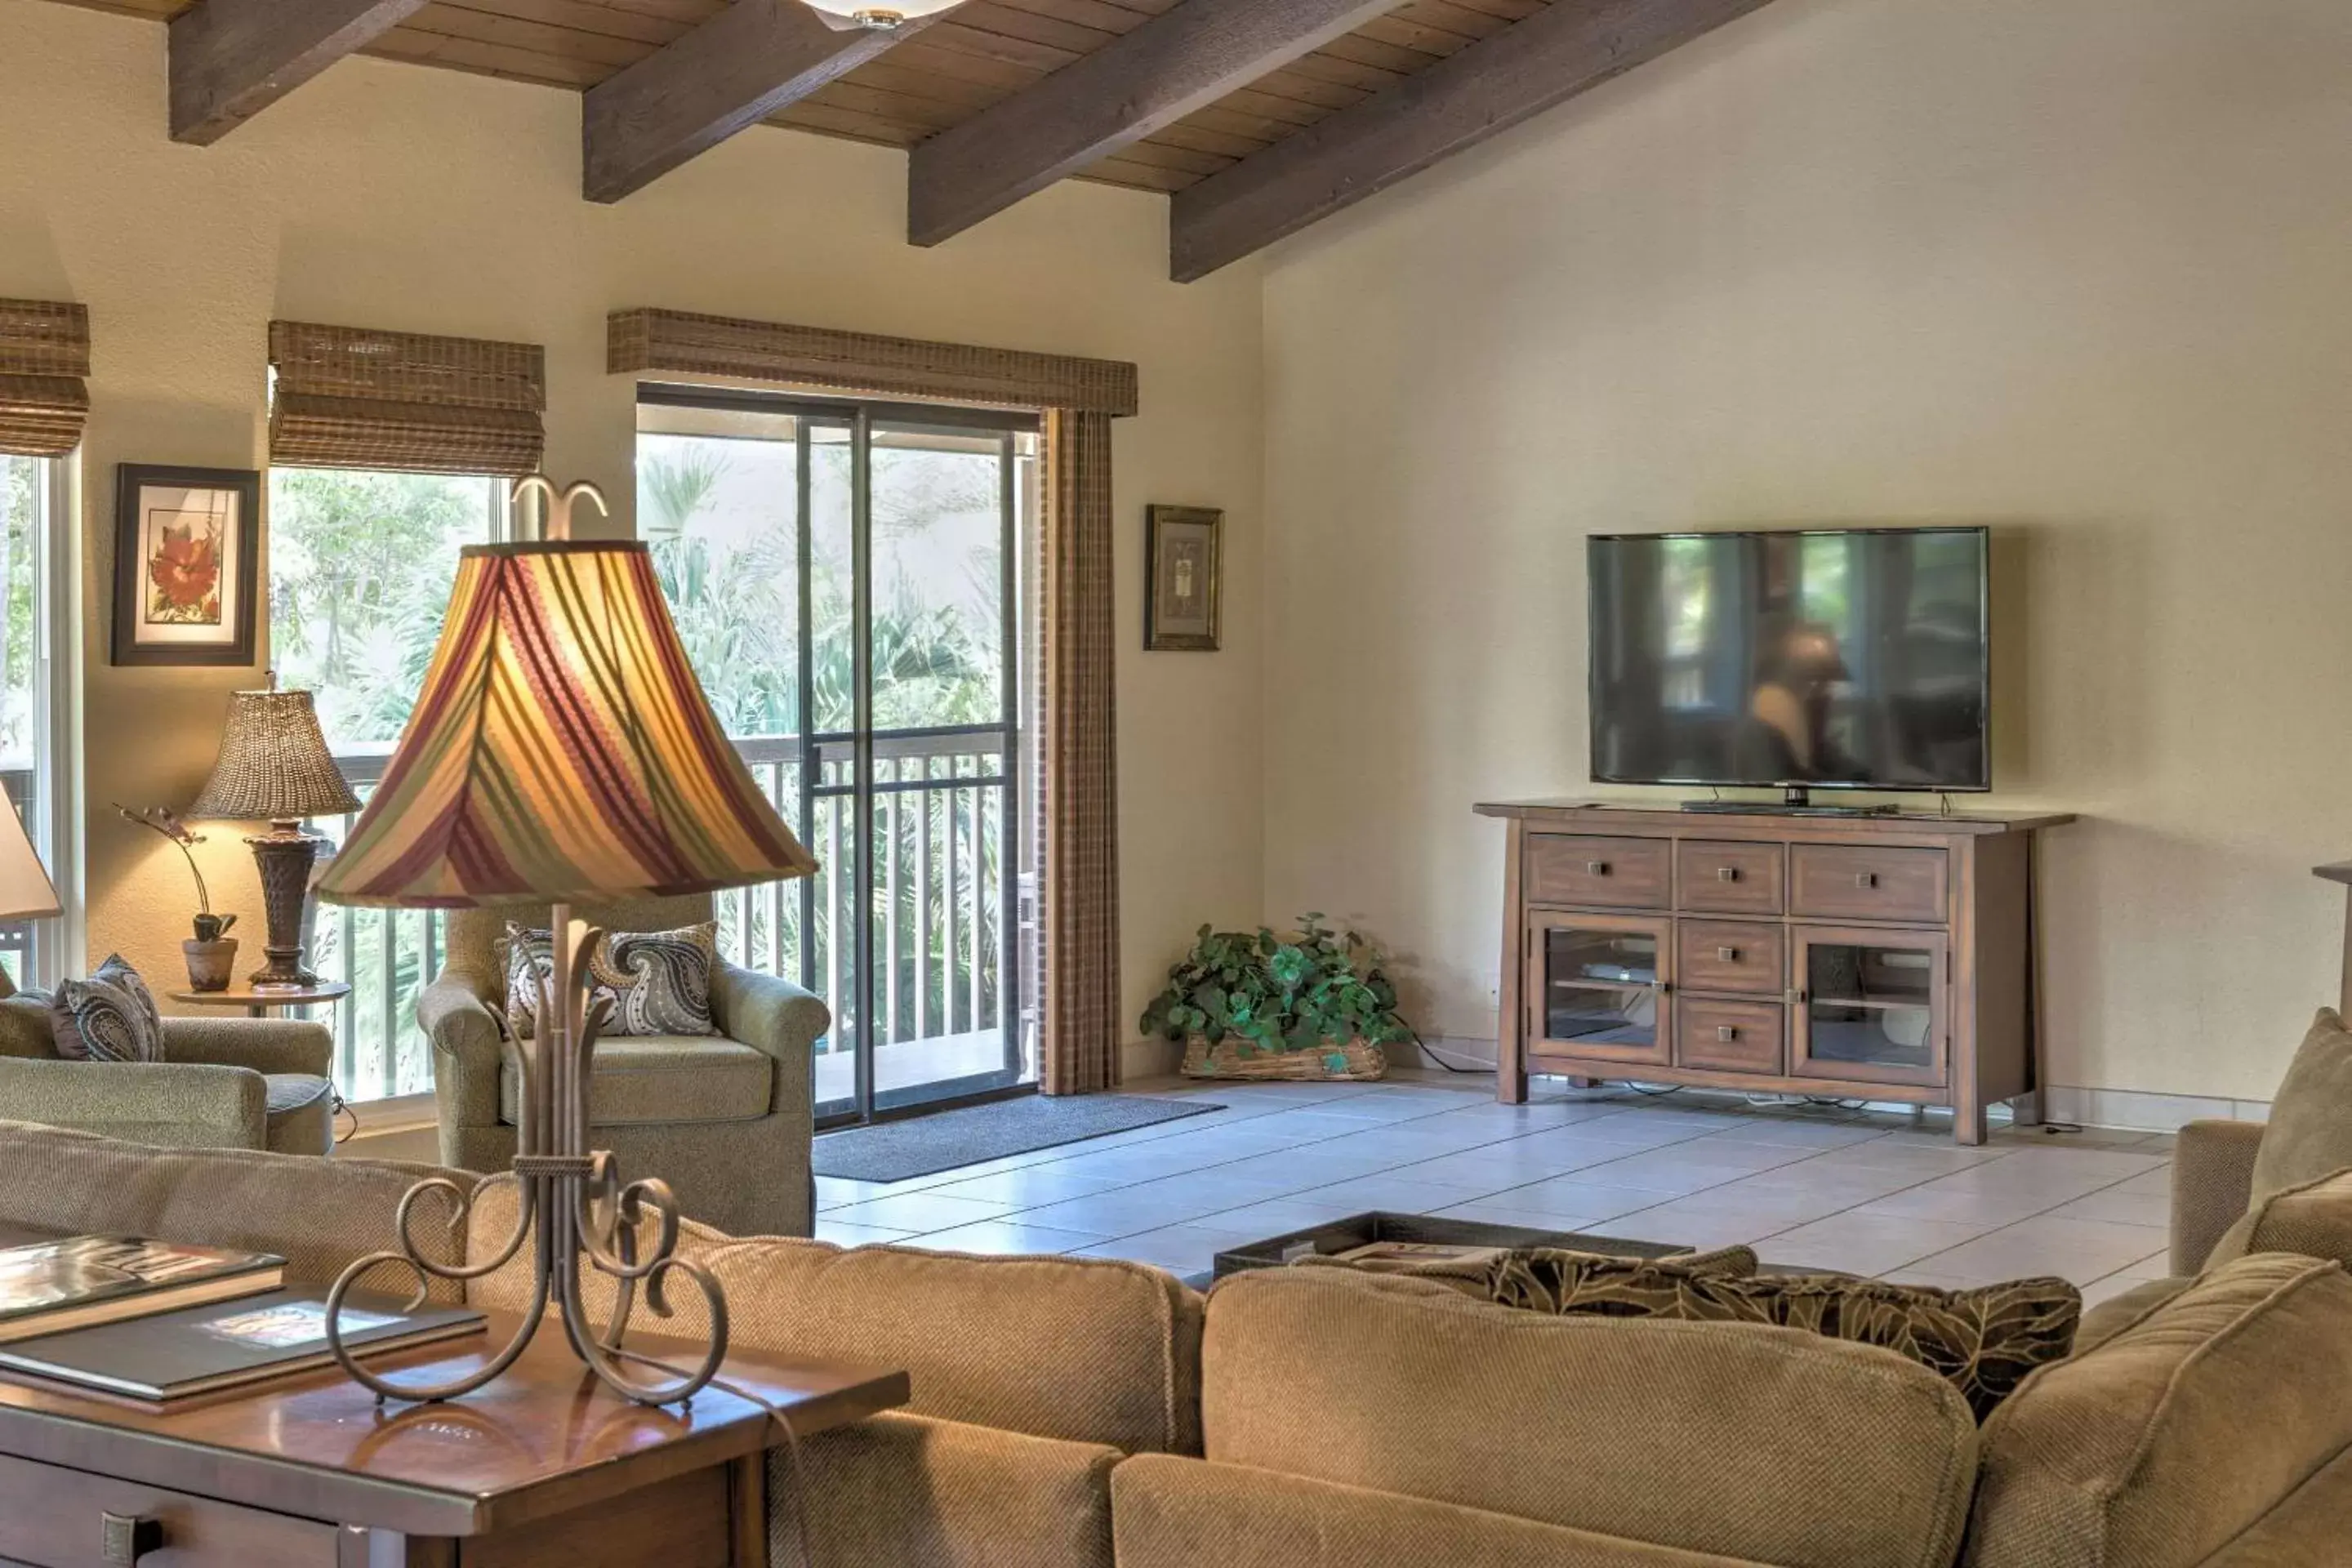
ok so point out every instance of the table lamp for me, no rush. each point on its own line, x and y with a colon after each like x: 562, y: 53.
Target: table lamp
x: 563, y: 751
x: 274, y: 766
x: 25, y: 890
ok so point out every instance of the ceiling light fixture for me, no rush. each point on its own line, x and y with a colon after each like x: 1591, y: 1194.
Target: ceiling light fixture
x: 879, y: 15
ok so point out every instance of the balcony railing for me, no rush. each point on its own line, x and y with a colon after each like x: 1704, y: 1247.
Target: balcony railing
x: 940, y: 911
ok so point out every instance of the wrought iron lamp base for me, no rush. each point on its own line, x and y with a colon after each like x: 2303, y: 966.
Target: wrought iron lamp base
x: 573, y: 1209
x: 285, y: 855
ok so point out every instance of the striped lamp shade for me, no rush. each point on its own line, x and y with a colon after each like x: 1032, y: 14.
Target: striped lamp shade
x: 563, y: 751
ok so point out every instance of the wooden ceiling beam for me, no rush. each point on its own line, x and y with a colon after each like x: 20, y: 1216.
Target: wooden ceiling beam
x: 1565, y: 49
x: 741, y: 66
x: 1140, y: 82
x: 230, y: 60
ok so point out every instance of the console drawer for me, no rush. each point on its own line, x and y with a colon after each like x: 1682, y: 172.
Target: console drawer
x: 1729, y: 1036
x: 1722, y: 876
x: 1860, y: 882
x: 59, y: 1518
x: 1592, y: 872
x: 1731, y: 955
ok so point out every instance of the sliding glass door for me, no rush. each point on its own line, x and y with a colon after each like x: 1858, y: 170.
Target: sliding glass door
x: 847, y: 580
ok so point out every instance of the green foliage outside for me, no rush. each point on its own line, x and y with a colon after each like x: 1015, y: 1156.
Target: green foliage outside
x: 361, y: 565
x: 20, y: 521
x: 1318, y: 987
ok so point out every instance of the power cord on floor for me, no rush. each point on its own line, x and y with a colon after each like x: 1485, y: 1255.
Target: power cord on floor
x: 794, y: 1465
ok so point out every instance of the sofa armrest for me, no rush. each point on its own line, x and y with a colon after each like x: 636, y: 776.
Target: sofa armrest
x: 2212, y: 1186
x: 176, y: 1105
x: 264, y: 1045
x: 454, y: 1013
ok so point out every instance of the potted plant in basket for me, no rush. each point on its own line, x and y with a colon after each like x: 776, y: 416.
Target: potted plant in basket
x: 1262, y: 1006
x: 211, y: 956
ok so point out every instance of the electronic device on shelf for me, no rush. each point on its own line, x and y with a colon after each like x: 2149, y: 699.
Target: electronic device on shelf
x: 1799, y: 660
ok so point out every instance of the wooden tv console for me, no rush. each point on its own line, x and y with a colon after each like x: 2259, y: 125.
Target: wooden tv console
x: 1882, y: 958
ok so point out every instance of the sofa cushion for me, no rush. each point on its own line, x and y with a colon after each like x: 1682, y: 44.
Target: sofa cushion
x: 657, y: 981
x: 2310, y: 1130
x: 1086, y: 1350
x: 911, y: 1491
x: 1759, y: 1444
x: 2177, y: 1434
x: 661, y: 1077
x: 1982, y: 1341
x: 2120, y: 1311
x: 109, y: 1017
x: 1179, y: 1513
x: 2314, y: 1218
x: 318, y: 1214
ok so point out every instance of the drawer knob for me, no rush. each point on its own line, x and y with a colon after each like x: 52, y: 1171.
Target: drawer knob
x: 128, y: 1538
x: 1727, y: 1033
x: 1865, y: 878
x: 1596, y: 868
x: 1727, y: 873
x: 1729, y: 954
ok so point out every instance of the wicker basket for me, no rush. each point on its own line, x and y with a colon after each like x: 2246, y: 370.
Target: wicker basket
x: 1235, y: 1057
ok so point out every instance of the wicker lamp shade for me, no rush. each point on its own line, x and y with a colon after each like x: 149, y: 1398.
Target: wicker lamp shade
x: 274, y: 764
x: 563, y: 751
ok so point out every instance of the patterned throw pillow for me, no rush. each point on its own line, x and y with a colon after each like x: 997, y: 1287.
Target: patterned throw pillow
x: 658, y: 981
x: 1982, y: 1341
x: 109, y: 1017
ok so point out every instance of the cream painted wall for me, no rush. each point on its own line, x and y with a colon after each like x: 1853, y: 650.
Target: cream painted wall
x: 389, y: 196
x: 2076, y: 268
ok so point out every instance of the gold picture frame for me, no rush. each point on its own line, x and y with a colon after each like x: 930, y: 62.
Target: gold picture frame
x: 1184, y: 565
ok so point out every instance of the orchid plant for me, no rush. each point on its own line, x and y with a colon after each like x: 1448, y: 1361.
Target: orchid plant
x: 210, y: 927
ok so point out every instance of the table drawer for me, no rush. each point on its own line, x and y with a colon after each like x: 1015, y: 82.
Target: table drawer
x: 59, y: 1518
x: 1594, y: 872
x: 1731, y: 955
x: 1729, y: 1036
x: 1857, y: 882
x: 1720, y: 876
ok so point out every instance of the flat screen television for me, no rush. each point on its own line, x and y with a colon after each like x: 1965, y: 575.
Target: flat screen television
x: 1845, y: 658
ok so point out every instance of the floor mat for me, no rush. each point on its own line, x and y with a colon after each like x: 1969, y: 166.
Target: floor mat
x: 923, y: 1145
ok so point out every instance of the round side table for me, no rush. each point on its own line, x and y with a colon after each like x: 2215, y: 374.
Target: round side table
x: 257, y: 1000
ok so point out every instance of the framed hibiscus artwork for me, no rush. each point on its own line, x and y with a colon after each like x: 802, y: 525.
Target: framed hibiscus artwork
x: 186, y: 564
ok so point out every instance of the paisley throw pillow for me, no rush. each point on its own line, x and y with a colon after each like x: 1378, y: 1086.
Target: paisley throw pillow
x: 109, y: 1017
x: 1983, y: 1341
x: 658, y: 982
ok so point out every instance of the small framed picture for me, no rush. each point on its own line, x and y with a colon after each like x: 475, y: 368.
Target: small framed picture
x: 1182, y: 546
x: 186, y: 564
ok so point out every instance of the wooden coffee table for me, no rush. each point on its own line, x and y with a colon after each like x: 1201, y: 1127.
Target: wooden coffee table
x: 542, y: 1466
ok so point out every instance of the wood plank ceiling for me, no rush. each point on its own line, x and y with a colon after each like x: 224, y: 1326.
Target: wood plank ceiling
x: 904, y: 90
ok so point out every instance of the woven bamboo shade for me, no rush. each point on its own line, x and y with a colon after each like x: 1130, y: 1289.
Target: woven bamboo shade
x: 44, y: 355
x: 349, y: 398
x: 860, y: 362
x: 274, y: 764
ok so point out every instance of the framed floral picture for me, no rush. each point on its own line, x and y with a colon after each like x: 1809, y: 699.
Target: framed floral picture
x: 1181, y: 567
x: 186, y: 564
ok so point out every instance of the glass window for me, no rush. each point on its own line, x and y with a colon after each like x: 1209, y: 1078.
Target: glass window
x: 361, y: 565
x: 34, y: 752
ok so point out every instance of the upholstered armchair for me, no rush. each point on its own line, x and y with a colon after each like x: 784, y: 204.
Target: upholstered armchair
x: 724, y: 1119
x: 223, y: 1083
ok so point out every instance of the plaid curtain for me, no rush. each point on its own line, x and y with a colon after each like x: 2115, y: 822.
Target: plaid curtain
x: 1079, y: 985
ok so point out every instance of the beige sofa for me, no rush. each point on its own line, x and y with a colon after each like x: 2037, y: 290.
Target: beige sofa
x: 1094, y: 1413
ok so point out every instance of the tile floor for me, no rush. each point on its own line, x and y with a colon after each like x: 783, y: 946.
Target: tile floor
x: 1865, y: 1193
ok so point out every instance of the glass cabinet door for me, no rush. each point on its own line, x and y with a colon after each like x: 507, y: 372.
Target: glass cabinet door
x: 1871, y: 1005
x: 1598, y: 987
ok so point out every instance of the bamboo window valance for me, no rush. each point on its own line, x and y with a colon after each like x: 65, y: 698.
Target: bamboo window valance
x: 350, y: 398
x: 44, y: 355
x: 860, y: 362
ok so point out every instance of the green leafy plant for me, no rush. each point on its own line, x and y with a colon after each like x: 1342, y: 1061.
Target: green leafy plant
x: 1277, y: 992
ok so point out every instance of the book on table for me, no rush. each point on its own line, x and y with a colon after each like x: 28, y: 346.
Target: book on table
x: 80, y: 1282
x: 226, y: 1344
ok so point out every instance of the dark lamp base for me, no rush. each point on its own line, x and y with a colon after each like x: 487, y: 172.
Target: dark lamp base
x: 285, y: 855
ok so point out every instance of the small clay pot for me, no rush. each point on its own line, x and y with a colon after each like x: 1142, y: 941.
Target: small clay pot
x: 211, y: 964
